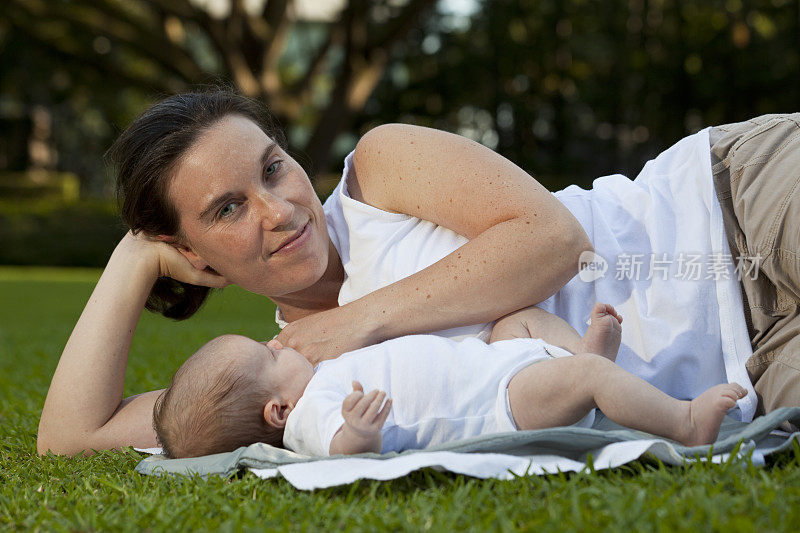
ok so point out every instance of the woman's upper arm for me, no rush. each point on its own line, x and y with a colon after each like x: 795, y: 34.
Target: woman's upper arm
x: 452, y: 181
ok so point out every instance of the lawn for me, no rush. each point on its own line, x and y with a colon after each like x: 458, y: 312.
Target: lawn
x: 103, y: 492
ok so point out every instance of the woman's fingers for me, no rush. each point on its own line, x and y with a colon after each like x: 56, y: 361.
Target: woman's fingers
x: 210, y: 278
x: 205, y: 278
x: 325, y: 335
x: 175, y: 265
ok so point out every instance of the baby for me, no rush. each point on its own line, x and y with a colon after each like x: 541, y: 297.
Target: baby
x: 235, y: 391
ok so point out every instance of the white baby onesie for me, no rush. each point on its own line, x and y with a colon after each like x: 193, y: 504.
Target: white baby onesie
x: 442, y: 390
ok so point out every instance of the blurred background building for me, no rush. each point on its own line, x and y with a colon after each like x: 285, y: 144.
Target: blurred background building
x: 568, y: 89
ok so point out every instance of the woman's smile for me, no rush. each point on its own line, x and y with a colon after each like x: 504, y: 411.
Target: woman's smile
x: 294, y: 241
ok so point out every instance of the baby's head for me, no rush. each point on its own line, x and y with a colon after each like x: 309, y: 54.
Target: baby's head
x: 232, y: 392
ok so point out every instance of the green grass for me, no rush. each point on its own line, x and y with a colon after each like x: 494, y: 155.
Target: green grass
x: 103, y: 492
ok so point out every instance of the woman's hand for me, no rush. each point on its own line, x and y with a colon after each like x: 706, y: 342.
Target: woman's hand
x: 329, y: 334
x: 168, y: 261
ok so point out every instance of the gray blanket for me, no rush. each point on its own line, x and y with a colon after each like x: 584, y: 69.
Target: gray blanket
x: 568, y: 442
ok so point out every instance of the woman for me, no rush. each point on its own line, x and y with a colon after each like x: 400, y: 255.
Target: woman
x: 216, y: 200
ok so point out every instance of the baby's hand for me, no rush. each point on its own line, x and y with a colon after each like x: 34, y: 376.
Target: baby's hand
x: 363, y: 414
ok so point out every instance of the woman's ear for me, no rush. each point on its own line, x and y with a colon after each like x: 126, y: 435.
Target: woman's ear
x: 276, y: 413
x: 195, y: 260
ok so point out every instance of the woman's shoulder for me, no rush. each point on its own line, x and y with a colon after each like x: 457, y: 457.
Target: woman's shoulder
x: 345, y: 201
x: 382, y: 152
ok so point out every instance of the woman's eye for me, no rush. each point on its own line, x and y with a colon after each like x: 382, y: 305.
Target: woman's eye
x: 272, y: 169
x: 228, y: 210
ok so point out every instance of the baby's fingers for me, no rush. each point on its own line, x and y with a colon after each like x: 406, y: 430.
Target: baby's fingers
x: 363, y: 404
x: 374, y: 407
x: 351, y: 401
x: 384, y: 414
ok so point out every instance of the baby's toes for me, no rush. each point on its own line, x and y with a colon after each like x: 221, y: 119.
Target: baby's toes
x: 727, y: 404
x: 598, y: 310
x: 731, y: 394
x: 729, y: 397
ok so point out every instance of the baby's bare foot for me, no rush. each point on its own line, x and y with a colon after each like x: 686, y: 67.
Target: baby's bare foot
x: 707, y: 411
x: 604, y: 333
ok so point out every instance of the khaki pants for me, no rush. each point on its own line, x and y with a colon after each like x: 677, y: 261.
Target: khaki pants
x: 756, y: 167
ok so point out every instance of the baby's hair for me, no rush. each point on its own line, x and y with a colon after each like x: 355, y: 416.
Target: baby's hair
x: 204, y: 412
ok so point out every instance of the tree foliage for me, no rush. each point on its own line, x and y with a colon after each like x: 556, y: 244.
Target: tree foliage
x: 315, y: 77
x: 569, y: 89
x: 573, y: 89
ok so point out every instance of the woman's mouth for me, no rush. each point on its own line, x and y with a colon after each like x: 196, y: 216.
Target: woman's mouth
x: 294, y: 241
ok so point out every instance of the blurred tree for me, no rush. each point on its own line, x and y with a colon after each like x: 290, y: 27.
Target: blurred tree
x: 316, y: 77
x: 568, y: 88
x: 573, y: 89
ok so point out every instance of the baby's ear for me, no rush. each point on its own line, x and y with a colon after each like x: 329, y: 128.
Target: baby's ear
x: 275, y: 413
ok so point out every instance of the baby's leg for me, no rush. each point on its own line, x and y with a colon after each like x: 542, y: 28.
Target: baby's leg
x: 602, y: 337
x: 535, y: 323
x: 561, y: 391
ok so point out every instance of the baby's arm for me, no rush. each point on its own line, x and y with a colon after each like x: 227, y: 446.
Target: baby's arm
x: 363, y: 420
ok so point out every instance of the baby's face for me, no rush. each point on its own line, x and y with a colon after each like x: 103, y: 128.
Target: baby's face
x: 282, y: 370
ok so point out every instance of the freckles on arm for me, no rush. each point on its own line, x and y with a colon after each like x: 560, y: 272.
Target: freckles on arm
x: 524, y: 244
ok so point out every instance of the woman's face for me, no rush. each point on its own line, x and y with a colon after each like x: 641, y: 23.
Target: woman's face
x: 248, y: 210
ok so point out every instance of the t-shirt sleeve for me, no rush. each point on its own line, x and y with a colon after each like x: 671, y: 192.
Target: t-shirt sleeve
x: 313, y: 422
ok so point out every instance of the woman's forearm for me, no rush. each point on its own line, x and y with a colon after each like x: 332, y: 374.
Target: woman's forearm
x: 507, y: 267
x: 84, y: 408
x: 523, y: 244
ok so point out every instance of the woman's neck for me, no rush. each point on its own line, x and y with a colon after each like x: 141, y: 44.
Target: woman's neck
x: 321, y: 296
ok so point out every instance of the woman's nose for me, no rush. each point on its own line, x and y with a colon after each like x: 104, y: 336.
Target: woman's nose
x: 275, y: 211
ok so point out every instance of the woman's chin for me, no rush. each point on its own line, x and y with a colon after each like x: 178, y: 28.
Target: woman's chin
x: 283, y: 288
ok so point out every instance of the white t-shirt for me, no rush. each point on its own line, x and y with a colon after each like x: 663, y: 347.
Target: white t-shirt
x: 681, y: 334
x: 442, y: 390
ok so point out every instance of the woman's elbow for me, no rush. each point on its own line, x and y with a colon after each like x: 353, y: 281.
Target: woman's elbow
x: 55, y: 448
x: 580, y: 242
x: 43, y: 439
x: 576, y: 244
x: 45, y: 445
x: 49, y: 442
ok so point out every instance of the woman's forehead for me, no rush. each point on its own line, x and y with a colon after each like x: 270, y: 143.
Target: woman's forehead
x: 232, y: 142
x: 222, y: 159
